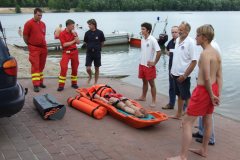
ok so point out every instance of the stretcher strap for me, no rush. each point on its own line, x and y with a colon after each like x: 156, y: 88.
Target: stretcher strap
x: 115, y: 103
x: 99, y: 90
x: 92, y: 114
x: 70, y: 103
x: 104, y: 87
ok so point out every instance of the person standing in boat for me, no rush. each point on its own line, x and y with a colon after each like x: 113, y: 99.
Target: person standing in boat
x: 170, y: 49
x: 150, y: 55
x: 34, y: 36
x: 94, y: 41
x: 69, y: 40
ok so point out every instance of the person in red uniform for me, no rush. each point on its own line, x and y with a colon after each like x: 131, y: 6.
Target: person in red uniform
x: 69, y: 40
x: 34, y: 36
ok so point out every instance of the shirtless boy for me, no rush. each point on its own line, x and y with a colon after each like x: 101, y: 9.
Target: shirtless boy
x: 206, y: 94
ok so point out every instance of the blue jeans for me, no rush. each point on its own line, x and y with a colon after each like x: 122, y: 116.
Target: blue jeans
x: 172, y: 95
x: 201, y: 129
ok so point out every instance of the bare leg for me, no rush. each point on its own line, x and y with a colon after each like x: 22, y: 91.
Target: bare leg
x: 89, y: 71
x: 100, y: 98
x: 96, y: 74
x: 125, y: 108
x: 185, y: 104
x: 130, y: 105
x: 153, y: 92
x: 180, y: 109
x: 144, y: 90
x: 186, y: 137
x: 207, y: 122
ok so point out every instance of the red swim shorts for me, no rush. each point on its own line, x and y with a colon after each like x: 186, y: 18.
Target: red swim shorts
x: 148, y: 73
x: 200, y: 102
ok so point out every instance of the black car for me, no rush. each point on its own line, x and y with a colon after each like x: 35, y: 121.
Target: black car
x: 12, y: 94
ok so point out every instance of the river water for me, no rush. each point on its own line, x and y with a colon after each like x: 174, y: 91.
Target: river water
x: 124, y: 59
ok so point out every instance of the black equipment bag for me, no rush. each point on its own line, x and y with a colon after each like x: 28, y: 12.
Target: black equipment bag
x: 48, y: 107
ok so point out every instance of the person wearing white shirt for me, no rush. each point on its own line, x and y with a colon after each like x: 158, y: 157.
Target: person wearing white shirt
x: 184, y: 61
x: 150, y: 55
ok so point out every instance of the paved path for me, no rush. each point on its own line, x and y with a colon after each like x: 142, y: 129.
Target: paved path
x: 26, y: 136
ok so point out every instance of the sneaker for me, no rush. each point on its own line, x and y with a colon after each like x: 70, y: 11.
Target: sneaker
x: 75, y: 86
x: 200, y: 140
x: 168, y: 106
x: 42, y: 85
x: 197, y: 135
x: 36, y: 89
x: 60, y: 89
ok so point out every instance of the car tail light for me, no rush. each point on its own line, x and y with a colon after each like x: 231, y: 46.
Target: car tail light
x: 10, y: 67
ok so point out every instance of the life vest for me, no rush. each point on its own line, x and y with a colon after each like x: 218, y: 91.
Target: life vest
x: 100, y: 89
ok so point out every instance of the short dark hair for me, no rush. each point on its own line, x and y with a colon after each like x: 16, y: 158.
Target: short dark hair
x: 37, y: 10
x: 148, y: 26
x: 93, y: 22
x: 69, y: 21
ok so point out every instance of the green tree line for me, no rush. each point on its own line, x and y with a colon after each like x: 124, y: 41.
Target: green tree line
x: 128, y: 5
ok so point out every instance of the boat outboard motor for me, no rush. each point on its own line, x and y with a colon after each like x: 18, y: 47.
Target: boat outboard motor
x: 163, y: 38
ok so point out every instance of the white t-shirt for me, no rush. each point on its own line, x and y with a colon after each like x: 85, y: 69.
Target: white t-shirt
x: 184, y: 53
x: 149, y: 47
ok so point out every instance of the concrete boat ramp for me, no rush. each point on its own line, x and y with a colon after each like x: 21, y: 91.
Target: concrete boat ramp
x: 26, y: 136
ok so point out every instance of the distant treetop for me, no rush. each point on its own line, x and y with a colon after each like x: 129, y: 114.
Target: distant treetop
x: 128, y: 5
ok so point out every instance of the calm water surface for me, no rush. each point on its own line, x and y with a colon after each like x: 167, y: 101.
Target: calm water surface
x: 124, y: 59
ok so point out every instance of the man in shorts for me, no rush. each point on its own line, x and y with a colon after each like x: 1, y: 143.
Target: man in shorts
x: 184, y: 61
x: 170, y: 49
x: 94, y: 40
x: 150, y: 55
x: 206, y: 94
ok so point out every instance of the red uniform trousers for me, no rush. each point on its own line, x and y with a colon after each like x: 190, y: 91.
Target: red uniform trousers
x: 37, y: 57
x: 73, y: 56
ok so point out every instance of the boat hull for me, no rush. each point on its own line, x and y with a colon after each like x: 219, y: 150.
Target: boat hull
x: 135, y: 42
x: 111, y: 39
